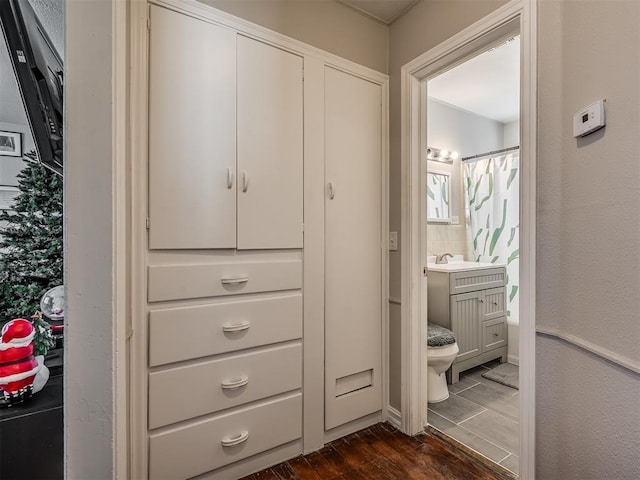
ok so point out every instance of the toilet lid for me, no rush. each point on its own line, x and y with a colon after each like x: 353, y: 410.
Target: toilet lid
x: 438, y: 336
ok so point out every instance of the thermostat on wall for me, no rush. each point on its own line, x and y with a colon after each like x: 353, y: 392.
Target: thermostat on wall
x: 589, y: 119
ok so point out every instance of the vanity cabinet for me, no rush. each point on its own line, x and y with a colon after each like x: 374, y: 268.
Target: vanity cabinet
x: 472, y: 304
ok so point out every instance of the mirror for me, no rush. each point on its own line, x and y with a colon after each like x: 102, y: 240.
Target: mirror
x: 438, y: 197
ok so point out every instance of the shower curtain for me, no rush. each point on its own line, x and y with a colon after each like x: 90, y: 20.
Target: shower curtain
x: 492, y: 206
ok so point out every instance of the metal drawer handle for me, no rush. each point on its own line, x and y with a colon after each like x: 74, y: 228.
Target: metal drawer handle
x: 332, y: 190
x: 235, y: 383
x: 234, y: 440
x: 481, y: 300
x: 495, y: 303
x: 236, y: 327
x: 495, y: 334
x: 229, y: 178
x: 245, y: 181
x: 235, y: 280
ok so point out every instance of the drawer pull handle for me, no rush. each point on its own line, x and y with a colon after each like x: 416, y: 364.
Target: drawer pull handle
x: 234, y: 440
x: 235, y: 383
x: 481, y: 300
x: 495, y: 334
x: 235, y: 280
x: 495, y: 303
x: 236, y: 327
x: 332, y: 190
x: 229, y: 178
x: 245, y: 181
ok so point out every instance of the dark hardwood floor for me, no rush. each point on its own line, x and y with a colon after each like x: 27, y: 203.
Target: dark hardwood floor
x: 383, y: 453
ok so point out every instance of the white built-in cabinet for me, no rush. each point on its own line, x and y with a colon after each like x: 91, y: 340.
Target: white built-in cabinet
x: 353, y: 275
x: 226, y: 139
x: 270, y: 147
x: 192, y: 133
x: 220, y: 390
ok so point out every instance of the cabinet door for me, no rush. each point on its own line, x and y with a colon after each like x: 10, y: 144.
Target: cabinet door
x: 270, y: 148
x: 465, y: 323
x: 192, y: 146
x: 353, y: 312
x: 493, y: 303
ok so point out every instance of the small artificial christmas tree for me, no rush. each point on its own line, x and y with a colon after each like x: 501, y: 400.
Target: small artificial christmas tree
x: 30, y: 242
x: 43, y: 339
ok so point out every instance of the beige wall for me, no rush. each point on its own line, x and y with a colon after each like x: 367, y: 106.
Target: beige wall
x: 426, y: 25
x: 325, y: 24
x: 89, y: 255
x: 587, y: 409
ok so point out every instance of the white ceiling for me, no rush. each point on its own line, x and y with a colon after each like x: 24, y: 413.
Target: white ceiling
x: 487, y: 85
x: 384, y: 10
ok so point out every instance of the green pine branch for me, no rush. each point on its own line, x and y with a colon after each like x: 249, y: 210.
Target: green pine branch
x: 31, y: 242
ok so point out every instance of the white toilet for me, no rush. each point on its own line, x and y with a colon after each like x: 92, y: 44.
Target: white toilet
x: 441, y: 352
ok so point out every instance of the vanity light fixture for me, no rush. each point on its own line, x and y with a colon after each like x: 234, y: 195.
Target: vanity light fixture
x: 441, y: 155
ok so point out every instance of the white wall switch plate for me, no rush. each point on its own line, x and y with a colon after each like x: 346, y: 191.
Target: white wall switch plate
x: 589, y: 119
x: 393, y: 241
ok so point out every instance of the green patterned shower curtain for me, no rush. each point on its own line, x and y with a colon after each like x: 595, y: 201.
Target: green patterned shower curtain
x: 492, y: 204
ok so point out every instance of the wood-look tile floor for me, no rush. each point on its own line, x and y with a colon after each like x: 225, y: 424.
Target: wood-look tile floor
x: 381, y: 452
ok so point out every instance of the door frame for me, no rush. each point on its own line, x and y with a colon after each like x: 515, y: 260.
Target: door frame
x: 517, y: 15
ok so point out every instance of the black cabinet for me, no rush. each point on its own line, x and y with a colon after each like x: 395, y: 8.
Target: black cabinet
x: 31, y: 435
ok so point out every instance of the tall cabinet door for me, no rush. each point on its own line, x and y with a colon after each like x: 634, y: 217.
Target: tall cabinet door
x: 465, y: 323
x: 270, y: 147
x: 353, y: 290
x: 192, y: 137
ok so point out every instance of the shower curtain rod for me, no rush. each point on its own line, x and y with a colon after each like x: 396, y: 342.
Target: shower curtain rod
x: 503, y: 150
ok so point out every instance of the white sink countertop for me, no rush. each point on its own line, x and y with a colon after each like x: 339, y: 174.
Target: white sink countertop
x: 457, y: 264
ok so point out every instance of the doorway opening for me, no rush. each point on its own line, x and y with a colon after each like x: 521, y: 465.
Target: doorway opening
x: 471, y: 247
x: 422, y: 245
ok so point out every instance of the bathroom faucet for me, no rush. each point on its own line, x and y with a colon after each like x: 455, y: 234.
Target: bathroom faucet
x: 440, y: 259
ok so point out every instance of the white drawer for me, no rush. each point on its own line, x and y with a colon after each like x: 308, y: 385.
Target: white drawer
x: 473, y: 280
x: 186, y: 333
x: 197, y: 448
x: 181, y: 282
x: 190, y: 391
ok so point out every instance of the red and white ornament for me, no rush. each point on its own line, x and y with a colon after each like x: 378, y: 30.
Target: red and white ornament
x: 18, y: 366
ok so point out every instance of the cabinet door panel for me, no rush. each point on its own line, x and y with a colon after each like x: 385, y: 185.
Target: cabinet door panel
x: 270, y: 147
x: 192, y: 146
x: 352, y: 264
x: 493, y: 303
x: 465, y: 323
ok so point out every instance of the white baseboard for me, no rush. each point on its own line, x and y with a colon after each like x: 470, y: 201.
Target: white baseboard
x: 394, y: 417
x: 513, y: 359
x: 352, y: 427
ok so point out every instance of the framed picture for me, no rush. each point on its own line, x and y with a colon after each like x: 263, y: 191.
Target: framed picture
x: 10, y: 144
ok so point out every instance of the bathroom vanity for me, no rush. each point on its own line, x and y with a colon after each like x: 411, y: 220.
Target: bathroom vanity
x: 469, y: 298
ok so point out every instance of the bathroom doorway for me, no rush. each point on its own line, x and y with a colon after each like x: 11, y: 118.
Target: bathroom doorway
x: 472, y: 194
x: 500, y: 28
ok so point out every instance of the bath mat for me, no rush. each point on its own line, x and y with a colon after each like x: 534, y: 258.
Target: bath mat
x: 506, y: 374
